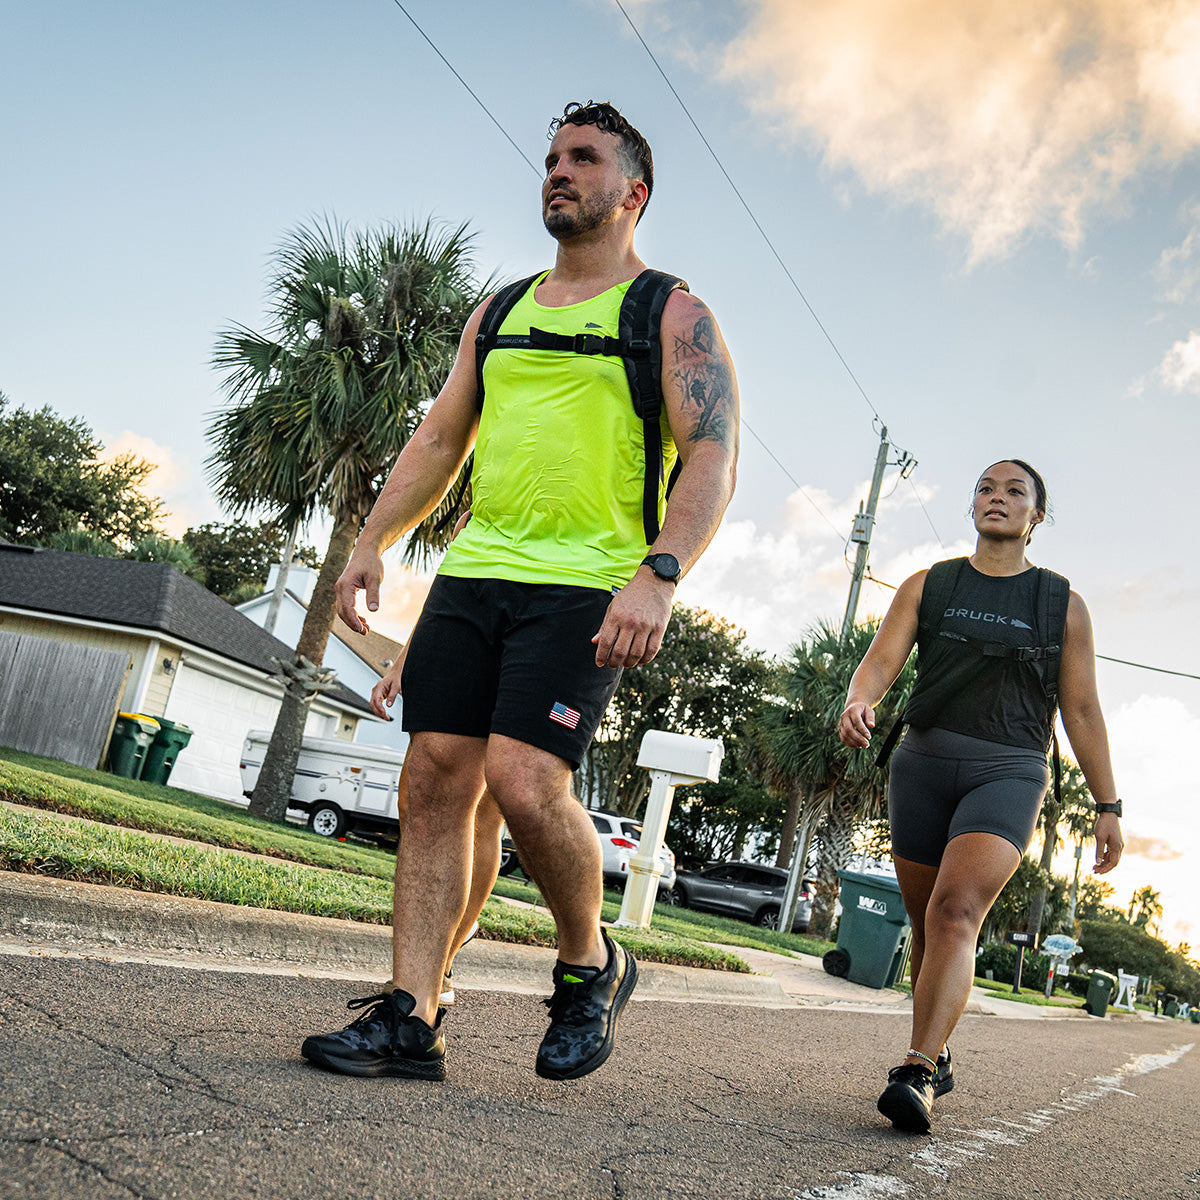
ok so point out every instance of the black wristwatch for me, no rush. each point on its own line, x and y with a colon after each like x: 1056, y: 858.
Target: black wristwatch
x: 665, y: 566
x: 1112, y: 808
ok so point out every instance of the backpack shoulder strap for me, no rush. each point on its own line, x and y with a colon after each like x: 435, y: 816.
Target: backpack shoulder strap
x: 639, y: 334
x: 489, y: 326
x: 1053, y: 596
x: 940, y: 581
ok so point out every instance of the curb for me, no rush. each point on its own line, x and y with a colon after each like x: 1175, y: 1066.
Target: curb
x: 39, y: 912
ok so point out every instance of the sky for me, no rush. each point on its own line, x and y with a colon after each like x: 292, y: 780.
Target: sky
x: 990, y: 215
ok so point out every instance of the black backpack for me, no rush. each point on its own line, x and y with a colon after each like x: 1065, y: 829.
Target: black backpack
x: 638, y: 344
x: 1050, y: 605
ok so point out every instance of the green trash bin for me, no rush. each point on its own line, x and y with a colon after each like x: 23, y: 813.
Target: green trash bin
x: 873, y: 933
x: 1171, y: 1007
x: 131, y: 738
x: 1194, y: 1016
x: 1102, y: 987
x: 160, y: 757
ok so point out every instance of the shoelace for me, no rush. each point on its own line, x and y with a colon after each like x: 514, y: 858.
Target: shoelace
x: 383, y: 1000
x: 567, y: 996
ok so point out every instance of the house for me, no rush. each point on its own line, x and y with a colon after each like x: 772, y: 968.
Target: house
x: 195, y: 660
x: 360, y: 661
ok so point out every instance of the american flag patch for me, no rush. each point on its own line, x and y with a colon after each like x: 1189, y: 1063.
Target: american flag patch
x: 564, y: 715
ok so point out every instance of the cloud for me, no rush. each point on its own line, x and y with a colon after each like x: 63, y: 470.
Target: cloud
x: 1004, y: 119
x: 1153, y: 849
x: 777, y: 584
x: 1178, y: 268
x: 1180, y: 369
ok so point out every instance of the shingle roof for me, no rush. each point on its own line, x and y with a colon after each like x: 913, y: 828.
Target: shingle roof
x: 141, y: 595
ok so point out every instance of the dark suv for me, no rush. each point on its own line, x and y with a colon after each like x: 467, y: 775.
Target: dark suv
x: 749, y: 891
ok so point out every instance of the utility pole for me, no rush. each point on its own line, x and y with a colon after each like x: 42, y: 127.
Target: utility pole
x: 864, y: 523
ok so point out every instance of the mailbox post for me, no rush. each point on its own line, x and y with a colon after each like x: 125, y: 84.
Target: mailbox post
x: 1020, y: 940
x: 673, y: 760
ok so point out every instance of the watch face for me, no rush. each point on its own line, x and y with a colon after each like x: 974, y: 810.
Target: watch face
x: 666, y: 566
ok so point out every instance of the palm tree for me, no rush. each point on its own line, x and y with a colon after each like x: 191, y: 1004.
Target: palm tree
x: 1075, y: 809
x: 365, y: 326
x: 831, y: 790
x: 1147, y: 905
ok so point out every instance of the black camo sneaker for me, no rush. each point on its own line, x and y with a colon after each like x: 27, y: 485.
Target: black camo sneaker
x: 907, y: 1101
x: 386, y: 1040
x: 943, y: 1077
x: 583, y: 1014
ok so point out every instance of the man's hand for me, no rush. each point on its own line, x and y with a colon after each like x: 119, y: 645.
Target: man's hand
x: 855, y: 725
x: 364, y: 572
x: 635, y: 622
x: 1109, y: 842
x: 384, y: 693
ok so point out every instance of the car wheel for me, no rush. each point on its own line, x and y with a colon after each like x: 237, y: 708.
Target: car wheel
x: 509, y: 862
x: 675, y: 896
x: 836, y: 962
x: 327, y: 820
x: 768, y: 918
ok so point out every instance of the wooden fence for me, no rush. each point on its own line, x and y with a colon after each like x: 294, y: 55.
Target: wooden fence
x: 59, y: 699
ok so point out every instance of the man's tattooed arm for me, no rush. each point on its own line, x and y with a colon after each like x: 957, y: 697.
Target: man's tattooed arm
x: 698, y: 367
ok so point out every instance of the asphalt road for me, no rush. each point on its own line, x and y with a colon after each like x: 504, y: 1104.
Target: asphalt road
x: 124, y: 1080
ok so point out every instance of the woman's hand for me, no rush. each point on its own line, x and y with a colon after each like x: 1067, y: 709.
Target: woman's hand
x: 855, y: 724
x: 1109, y: 842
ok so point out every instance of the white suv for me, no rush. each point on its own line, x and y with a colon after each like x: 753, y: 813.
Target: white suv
x: 619, y: 839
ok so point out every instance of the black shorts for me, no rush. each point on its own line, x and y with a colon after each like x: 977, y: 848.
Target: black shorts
x: 942, y: 784
x: 492, y: 656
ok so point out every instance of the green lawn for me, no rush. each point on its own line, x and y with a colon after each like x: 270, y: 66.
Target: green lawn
x: 354, y: 879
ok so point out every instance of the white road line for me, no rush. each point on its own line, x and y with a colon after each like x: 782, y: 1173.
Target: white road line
x: 940, y: 1156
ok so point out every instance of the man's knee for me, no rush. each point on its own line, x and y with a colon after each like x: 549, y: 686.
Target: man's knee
x: 524, y: 780
x: 445, y: 772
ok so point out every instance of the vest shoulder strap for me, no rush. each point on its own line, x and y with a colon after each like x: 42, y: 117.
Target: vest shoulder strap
x: 940, y: 582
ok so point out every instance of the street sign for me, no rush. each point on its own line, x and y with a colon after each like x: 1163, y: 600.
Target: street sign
x: 1019, y: 939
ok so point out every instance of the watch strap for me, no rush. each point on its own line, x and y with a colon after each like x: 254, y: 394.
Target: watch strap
x: 1109, y: 808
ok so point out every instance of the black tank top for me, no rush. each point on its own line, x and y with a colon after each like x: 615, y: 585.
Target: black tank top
x: 1005, y: 700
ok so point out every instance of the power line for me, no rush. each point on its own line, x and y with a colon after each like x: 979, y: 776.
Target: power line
x: 799, y: 487
x: 465, y: 84
x: 749, y: 212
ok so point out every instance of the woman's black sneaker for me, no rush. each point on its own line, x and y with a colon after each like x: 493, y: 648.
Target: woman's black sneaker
x: 943, y: 1077
x: 907, y: 1101
x: 583, y: 1014
x: 386, y: 1040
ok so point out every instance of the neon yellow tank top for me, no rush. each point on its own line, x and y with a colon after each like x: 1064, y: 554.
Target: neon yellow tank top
x: 559, y: 459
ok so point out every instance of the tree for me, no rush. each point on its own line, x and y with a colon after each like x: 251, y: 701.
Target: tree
x: 719, y: 820
x: 704, y: 681
x: 169, y: 551
x: 1012, y: 907
x: 1145, y: 906
x: 53, y: 482
x: 1076, y: 809
x: 364, y: 329
x: 237, y: 556
x: 831, y: 789
x: 1119, y: 946
x: 1093, y: 892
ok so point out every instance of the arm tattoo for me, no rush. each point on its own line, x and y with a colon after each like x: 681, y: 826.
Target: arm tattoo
x: 704, y: 377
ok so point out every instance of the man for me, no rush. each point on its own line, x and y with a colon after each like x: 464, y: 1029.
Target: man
x: 540, y: 602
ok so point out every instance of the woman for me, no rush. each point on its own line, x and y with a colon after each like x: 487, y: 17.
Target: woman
x: 968, y: 780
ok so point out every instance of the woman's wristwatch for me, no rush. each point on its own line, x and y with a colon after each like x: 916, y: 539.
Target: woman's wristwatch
x: 1112, y: 808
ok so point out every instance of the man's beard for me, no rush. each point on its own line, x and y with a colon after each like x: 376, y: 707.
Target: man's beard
x: 587, y: 215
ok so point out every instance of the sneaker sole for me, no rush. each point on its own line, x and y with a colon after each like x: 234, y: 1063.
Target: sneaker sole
x: 624, y: 991
x: 404, y: 1069
x: 904, y: 1110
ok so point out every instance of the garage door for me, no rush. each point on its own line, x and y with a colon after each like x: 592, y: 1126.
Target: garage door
x: 220, y: 712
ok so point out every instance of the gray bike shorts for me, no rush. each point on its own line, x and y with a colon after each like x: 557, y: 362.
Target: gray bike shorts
x: 942, y: 784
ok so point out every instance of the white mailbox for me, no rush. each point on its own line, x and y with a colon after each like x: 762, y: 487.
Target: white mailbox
x: 673, y: 760
x: 689, y: 759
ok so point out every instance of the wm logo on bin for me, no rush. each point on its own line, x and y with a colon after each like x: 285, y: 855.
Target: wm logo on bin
x: 877, y: 907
